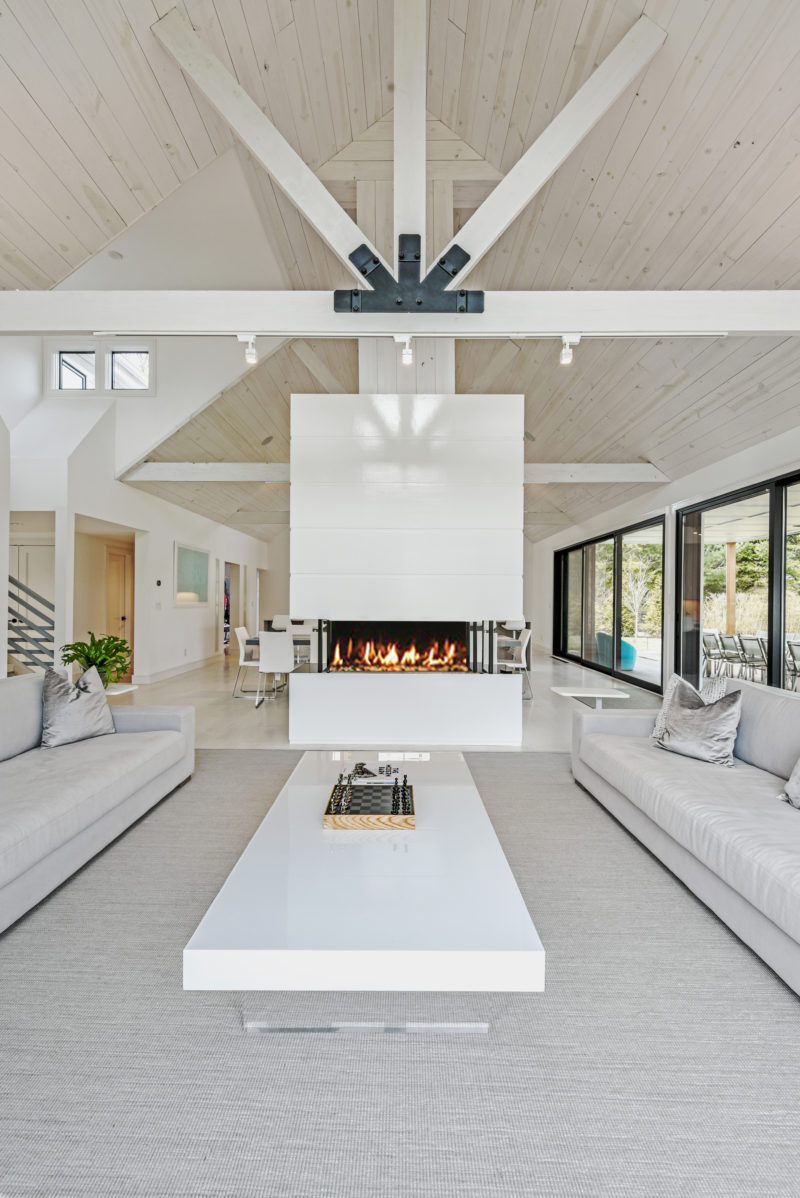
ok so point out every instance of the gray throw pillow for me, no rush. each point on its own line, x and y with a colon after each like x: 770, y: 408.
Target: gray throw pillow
x: 74, y: 710
x: 706, y: 731
x: 791, y: 792
x: 711, y: 690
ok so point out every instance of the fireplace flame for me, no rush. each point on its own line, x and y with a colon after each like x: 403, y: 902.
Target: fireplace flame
x: 371, y: 656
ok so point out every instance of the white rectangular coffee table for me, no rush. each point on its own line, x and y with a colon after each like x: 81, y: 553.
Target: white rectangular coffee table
x: 308, y: 908
x: 590, y: 692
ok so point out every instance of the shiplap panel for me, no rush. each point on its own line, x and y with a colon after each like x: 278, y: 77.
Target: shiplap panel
x: 431, y: 416
x: 423, y: 506
x: 408, y: 551
x: 399, y: 460
x: 345, y: 484
x: 405, y: 596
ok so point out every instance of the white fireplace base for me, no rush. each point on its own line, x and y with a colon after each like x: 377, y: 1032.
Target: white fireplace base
x: 405, y: 709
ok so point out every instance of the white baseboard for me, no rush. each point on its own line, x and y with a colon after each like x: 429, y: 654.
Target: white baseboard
x: 162, y: 675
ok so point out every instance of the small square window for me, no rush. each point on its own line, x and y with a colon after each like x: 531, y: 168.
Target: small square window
x: 130, y: 370
x: 76, y: 370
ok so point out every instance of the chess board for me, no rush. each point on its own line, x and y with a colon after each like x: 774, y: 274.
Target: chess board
x: 370, y: 806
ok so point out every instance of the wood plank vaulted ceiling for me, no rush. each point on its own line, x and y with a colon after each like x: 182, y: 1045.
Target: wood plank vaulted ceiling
x: 691, y: 180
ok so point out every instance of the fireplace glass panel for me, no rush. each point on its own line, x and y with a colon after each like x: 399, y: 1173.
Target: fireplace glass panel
x: 375, y: 646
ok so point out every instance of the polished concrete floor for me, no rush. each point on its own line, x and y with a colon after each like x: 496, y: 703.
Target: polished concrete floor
x: 227, y: 723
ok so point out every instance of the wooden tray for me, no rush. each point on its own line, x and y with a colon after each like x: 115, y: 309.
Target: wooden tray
x: 370, y: 807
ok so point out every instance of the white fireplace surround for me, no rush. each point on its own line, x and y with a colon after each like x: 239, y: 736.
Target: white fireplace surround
x: 406, y: 507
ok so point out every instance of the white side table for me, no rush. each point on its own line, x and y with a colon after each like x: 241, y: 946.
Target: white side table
x: 590, y: 692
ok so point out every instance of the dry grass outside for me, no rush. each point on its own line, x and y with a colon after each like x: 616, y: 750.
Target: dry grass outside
x: 751, y: 612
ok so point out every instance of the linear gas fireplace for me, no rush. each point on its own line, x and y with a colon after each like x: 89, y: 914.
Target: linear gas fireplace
x: 378, y: 646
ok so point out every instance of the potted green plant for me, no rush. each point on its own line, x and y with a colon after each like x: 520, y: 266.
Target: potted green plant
x: 111, y: 655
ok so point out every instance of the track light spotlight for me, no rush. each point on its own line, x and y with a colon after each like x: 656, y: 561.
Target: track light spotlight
x: 250, y: 351
x: 407, y: 353
x: 567, y: 342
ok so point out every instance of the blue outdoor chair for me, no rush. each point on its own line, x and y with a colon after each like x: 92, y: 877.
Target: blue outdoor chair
x: 604, y: 647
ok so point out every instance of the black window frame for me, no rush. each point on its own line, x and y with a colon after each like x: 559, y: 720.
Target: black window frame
x: 64, y: 365
x: 560, y: 575
x: 776, y: 489
x: 118, y: 353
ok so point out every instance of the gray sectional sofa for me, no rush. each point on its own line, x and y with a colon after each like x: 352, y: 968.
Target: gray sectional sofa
x: 721, y: 830
x: 58, y: 807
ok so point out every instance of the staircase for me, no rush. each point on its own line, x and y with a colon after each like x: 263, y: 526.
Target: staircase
x: 30, y: 627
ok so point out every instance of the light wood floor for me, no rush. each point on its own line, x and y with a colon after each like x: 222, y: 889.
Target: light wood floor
x: 227, y: 723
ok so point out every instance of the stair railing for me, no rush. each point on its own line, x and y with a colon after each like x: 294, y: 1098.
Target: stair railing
x: 31, y: 637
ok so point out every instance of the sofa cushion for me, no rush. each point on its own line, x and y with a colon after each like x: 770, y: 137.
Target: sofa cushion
x: 705, y: 731
x: 47, y: 796
x: 74, y: 710
x: 726, y: 817
x: 711, y: 690
x: 769, y: 730
x: 20, y: 714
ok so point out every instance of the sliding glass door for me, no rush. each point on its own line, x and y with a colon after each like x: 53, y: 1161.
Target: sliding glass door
x: 598, y: 603
x: 574, y: 601
x: 642, y: 591
x: 739, y: 586
x: 609, y: 604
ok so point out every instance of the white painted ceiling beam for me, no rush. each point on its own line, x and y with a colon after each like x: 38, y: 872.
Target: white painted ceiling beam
x: 517, y: 314
x: 410, y: 81
x: 593, y: 472
x: 276, y: 516
x: 256, y: 131
x: 208, y: 472
x: 273, y: 472
x: 566, y: 131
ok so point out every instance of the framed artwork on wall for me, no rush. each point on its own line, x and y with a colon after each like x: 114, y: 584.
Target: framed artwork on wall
x: 191, y: 576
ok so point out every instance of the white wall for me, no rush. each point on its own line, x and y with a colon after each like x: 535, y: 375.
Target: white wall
x: 207, y: 235
x: 406, y: 507
x: 5, y: 509
x: 275, y: 581
x: 20, y: 377
x: 776, y: 456
x: 169, y: 638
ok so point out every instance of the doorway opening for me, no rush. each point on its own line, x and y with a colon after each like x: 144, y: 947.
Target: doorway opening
x: 104, y: 582
x: 231, y: 603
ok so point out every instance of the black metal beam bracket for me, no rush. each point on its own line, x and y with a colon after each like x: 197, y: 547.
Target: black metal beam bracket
x: 407, y: 293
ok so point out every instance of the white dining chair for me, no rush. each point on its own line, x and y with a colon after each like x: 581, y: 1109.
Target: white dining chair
x: 276, y: 657
x: 280, y: 623
x: 509, y: 643
x: 247, y: 660
x: 518, y: 660
x: 303, y: 632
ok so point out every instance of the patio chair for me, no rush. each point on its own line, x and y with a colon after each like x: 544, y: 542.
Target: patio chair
x: 793, y: 662
x: 755, y: 659
x: 732, y: 655
x: 604, y: 646
x: 713, y: 661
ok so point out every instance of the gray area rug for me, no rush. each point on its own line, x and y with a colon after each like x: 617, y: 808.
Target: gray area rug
x: 663, y: 1059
